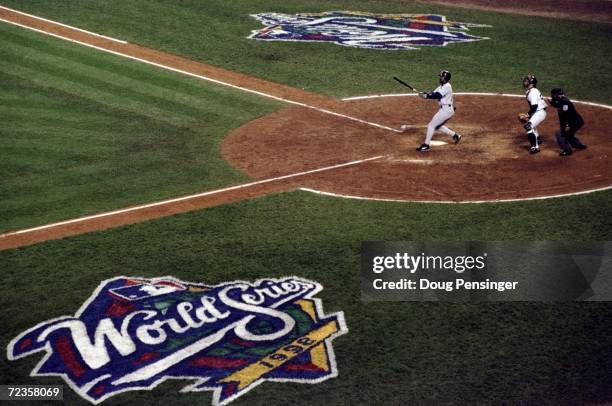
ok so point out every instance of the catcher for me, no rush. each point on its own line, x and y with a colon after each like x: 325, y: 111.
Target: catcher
x: 569, y: 120
x: 536, y: 113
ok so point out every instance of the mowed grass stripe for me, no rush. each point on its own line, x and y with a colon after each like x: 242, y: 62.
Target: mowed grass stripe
x: 114, y: 96
x: 16, y: 98
x: 60, y: 140
x: 26, y: 118
x: 204, y: 95
x: 93, y: 140
x: 8, y: 108
x: 196, y: 106
x: 39, y: 141
x: 21, y: 97
x: 40, y: 133
x: 67, y: 111
x: 22, y: 92
x: 115, y: 75
x: 125, y: 98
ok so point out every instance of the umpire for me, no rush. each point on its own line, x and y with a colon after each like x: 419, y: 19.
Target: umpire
x: 570, y: 122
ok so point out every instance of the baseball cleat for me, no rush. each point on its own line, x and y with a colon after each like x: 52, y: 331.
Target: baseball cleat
x: 580, y: 146
x: 534, y: 150
x: 456, y: 138
x: 424, y: 148
x: 565, y: 152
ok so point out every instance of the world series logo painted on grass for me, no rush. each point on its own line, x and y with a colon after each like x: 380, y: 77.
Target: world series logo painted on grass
x: 365, y: 30
x: 134, y: 333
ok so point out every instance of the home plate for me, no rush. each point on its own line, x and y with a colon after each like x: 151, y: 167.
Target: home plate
x: 417, y: 161
x: 421, y: 161
x: 437, y: 143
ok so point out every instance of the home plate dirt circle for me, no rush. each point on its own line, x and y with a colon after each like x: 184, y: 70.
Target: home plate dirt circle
x: 491, y: 162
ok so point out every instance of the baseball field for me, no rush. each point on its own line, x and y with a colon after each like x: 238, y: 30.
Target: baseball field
x: 152, y: 139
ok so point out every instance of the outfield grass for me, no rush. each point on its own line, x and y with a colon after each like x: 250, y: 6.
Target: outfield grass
x: 394, y: 352
x: 83, y: 131
x: 560, y: 52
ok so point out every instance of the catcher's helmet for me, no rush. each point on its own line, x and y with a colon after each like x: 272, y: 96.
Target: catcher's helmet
x: 557, y: 91
x: 445, y: 75
x: 530, y: 79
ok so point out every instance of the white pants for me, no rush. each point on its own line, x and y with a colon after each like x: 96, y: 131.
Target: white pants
x: 437, y: 123
x: 535, y: 121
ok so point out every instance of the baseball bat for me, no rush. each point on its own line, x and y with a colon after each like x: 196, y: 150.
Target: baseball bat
x: 405, y: 84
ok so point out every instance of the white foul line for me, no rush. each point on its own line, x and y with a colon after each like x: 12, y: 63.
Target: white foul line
x: 376, y: 96
x: 376, y: 199
x: 63, y: 25
x: 219, y: 82
x: 184, y: 198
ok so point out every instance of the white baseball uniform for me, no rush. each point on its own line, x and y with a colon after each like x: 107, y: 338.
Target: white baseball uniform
x: 445, y: 113
x: 534, y: 97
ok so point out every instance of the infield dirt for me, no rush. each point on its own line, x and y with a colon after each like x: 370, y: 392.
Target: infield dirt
x: 490, y: 163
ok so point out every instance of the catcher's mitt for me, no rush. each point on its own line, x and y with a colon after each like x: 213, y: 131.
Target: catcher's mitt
x: 523, y: 118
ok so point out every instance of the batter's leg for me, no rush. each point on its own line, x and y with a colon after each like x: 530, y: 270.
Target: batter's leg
x: 437, y: 123
x: 430, y: 131
x: 454, y: 135
x: 445, y: 130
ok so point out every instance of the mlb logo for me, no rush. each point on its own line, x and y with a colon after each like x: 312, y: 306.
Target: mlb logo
x: 146, y: 290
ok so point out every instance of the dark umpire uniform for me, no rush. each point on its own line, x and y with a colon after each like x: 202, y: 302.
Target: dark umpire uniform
x: 570, y: 122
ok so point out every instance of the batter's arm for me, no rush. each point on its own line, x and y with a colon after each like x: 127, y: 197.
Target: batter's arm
x: 434, y: 95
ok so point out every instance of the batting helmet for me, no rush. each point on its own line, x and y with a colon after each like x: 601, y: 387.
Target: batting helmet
x: 530, y: 79
x: 445, y: 75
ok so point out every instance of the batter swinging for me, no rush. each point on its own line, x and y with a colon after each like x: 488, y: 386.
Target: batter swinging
x: 444, y: 95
